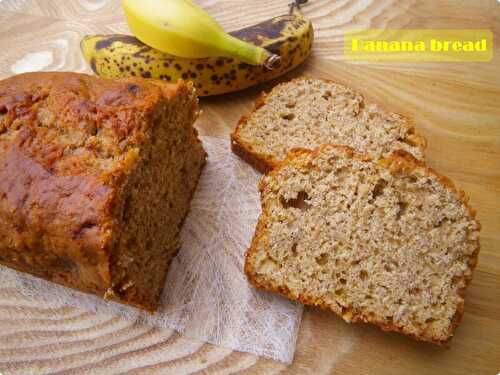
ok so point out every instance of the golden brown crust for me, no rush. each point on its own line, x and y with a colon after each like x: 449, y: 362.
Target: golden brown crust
x: 40, y: 210
x: 67, y: 144
x: 398, y: 162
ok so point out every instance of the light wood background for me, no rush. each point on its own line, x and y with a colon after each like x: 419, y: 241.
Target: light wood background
x: 456, y: 106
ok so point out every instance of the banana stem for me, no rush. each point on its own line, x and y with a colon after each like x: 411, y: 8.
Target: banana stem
x: 296, y: 5
x: 253, y: 55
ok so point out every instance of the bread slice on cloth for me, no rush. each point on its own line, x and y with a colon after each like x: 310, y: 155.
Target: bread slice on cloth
x: 389, y: 242
x: 308, y: 112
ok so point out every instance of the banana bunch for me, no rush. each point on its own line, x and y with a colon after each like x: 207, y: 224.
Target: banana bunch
x: 286, y: 41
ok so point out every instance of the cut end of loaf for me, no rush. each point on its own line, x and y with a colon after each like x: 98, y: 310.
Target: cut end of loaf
x: 390, y: 242
x: 156, y: 199
x: 308, y: 112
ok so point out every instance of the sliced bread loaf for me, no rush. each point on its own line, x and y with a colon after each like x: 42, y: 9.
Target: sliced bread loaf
x: 389, y: 242
x: 308, y: 112
x: 96, y: 177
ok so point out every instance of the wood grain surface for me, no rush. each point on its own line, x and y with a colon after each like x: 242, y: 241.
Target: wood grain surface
x: 455, y: 105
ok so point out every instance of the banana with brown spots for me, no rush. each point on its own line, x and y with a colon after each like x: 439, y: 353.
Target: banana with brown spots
x: 288, y: 36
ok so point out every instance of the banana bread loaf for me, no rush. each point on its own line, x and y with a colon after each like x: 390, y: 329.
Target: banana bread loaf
x: 96, y: 177
x: 309, y: 112
x: 388, y: 242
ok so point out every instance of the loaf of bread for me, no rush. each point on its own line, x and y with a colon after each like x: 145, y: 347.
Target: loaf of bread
x: 96, y: 177
x: 307, y: 113
x: 388, y: 242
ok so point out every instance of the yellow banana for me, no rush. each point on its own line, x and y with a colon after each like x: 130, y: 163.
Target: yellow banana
x: 181, y: 28
x: 289, y: 36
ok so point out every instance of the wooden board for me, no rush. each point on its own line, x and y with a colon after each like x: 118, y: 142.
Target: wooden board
x: 456, y: 106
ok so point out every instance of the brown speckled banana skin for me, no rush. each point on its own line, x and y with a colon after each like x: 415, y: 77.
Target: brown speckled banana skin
x: 289, y: 36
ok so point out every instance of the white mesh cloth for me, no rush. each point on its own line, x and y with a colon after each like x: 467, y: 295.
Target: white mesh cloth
x: 207, y: 296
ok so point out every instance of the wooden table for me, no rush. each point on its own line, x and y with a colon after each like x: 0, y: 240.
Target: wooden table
x: 455, y: 105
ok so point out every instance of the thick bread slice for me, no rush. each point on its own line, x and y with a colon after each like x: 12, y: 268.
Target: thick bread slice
x: 307, y: 112
x: 388, y: 242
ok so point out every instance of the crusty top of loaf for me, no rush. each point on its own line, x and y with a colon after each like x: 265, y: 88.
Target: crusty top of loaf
x: 76, y: 123
x: 67, y: 143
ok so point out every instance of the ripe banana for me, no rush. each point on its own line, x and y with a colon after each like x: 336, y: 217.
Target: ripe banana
x: 289, y: 36
x: 181, y: 28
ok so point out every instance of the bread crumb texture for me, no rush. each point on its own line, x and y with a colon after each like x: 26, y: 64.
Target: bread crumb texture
x: 307, y: 112
x: 388, y: 242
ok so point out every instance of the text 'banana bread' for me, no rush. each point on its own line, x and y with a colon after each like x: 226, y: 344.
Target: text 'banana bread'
x: 96, y: 177
x: 388, y: 242
x: 309, y: 112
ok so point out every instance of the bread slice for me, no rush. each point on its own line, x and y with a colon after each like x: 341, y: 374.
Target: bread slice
x: 307, y: 113
x: 388, y: 242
